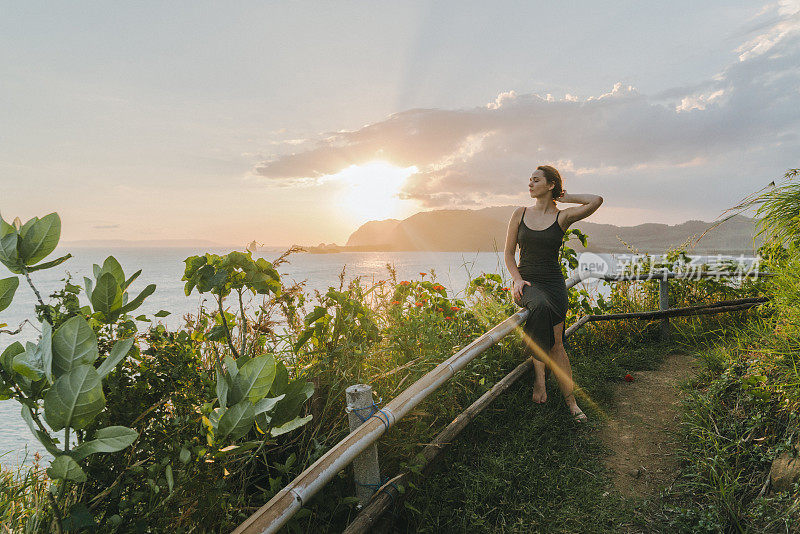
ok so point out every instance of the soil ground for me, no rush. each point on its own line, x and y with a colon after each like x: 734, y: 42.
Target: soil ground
x: 640, y: 431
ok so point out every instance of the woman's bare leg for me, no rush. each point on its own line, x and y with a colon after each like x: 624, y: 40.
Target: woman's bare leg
x: 563, y: 371
x: 539, y: 385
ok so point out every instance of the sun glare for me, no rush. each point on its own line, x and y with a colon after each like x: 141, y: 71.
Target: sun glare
x: 370, y: 191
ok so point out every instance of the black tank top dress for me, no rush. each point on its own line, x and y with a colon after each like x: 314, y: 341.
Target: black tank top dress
x: 547, y: 296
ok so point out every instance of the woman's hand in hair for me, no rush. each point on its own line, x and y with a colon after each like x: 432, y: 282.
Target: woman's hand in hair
x: 519, y: 285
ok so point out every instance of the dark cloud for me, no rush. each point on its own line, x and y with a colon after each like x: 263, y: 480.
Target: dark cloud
x: 704, y: 132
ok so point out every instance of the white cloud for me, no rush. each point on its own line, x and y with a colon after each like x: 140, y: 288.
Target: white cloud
x: 704, y: 133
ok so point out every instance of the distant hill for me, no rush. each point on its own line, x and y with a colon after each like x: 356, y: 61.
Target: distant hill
x: 143, y: 243
x: 485, y: 230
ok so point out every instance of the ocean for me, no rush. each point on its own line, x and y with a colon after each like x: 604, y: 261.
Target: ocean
x: 164, y: 267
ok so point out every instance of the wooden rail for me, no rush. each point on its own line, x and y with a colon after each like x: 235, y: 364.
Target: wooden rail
x: 277, y: 511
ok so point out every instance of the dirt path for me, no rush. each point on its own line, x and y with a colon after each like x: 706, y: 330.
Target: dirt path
x: 638, y: 431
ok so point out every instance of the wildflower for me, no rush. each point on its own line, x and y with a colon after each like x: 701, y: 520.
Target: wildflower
x: 395, y: 302
x: 628, y: 378
x: 448, y: 317
x: 423, y: 274
x: 418, y: 303
x: 454, y: 308
x: 424, y: 299
x: 405, y: 283
x: 439, y: 309
x: 506, y: 289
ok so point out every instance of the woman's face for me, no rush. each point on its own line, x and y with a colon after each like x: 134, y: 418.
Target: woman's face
x: 538, y: 184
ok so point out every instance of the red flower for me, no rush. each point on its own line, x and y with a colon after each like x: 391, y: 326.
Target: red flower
x: 395, y: 302
x: 418, y: 304
x: 423, y: 274
x: 448, y: 317
x: 628, y: 378
x: 439, y: 309
x: 454, y: 308
x: 405, y: 283
x: 424, y: 300
x: 506, y: 289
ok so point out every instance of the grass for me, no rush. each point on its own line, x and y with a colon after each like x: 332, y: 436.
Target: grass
x: 22, y: 498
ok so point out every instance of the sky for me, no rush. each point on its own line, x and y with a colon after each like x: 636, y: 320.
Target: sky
x: 295, y: 122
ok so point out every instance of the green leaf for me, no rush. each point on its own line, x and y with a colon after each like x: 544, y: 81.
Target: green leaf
x: 66, y: 468
x: 130, y: 280
x: 74, y: 343
x: 111, y: 265
x: 27, y: 364
x: 44, y: 351
x: 184, y: 455
x: 135, y: 303
x: 49, y: 264
x: 222, y: 387
x: 44, y: 439
x: 74, y: 399
x: 168, y: 476
x: 266, y: 404
x: 236, y: 421
x: 106, y: 294
x: 253, y: 380
x: 295, y: 423
x: 297, y: 392
x: 8, y: 286
x: 108, y: 439
x: 40, y: 239
x: 162, y: 313
x: 88, y: 284
x: 231, y: 365
x: 118, y: 353
x: 7, y: 358
x: 8, y: 250
x: 304, y: 336
x: 281, y: 380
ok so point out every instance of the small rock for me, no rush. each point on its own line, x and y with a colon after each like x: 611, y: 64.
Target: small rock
x: 785, y: 470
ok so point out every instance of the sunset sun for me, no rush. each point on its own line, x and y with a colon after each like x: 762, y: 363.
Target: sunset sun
x: 371, y: 191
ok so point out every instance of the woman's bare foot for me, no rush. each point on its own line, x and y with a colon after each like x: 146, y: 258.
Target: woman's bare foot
x: 539, y: 392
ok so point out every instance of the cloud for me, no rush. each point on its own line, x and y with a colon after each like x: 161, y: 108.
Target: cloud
x: 485, y: 154
x: 105, y: 226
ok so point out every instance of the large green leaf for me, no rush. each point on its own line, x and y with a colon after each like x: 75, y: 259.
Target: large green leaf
x: 297, y: 422
x: 281, y: 380
x: 49, y: 264
x: 7, y: 358
x: 223, y: 386
x: 253, y: 380
x: 74, y: 399
x: 8, y: 250
x: 236, y: 421
x: 40, y: 239
x: 43, y: 438
x: 118, y: 353
x: 297, y: 392
x: 44, y: 351
x: 111, y: 265
x: 74, y: 343
x: 66, y: 468
x: 28, y: 363
x: 8, y: 286
x: 266, y: 404
x: 106, y: 294
x: 132, y: 305
x: 109, y: 439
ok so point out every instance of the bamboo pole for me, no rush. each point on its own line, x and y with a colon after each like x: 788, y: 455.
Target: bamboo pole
x: 388, y: 493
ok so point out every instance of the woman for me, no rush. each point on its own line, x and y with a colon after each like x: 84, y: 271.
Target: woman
x: 538, y: 282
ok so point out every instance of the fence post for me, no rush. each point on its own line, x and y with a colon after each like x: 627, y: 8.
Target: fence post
x: 663, y: 304
x: 366, y: 471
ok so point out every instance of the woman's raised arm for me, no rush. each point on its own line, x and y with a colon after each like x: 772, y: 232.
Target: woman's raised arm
x: 590, y: 203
